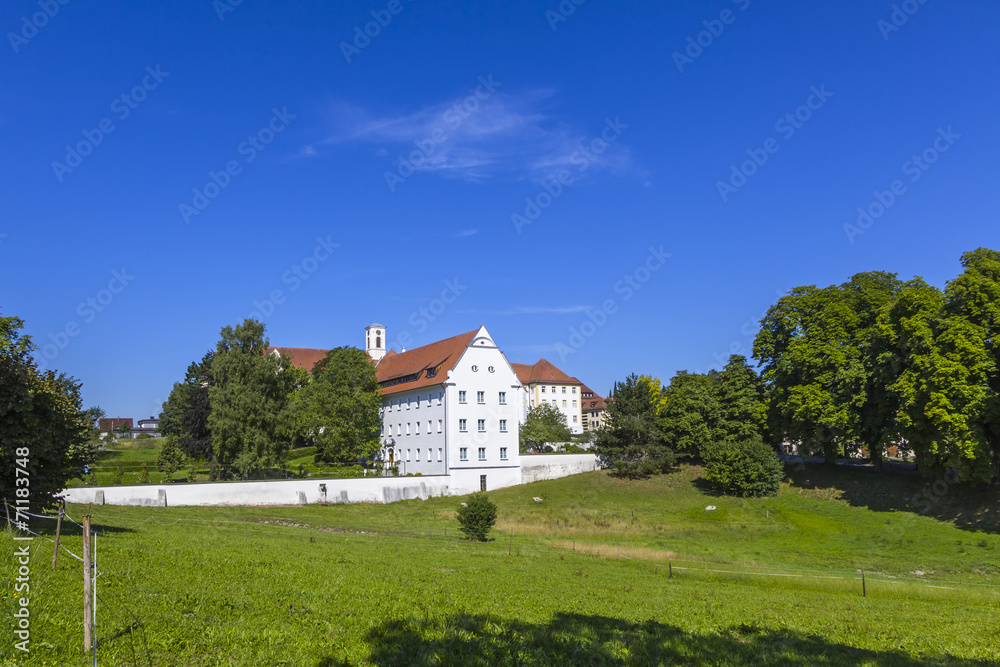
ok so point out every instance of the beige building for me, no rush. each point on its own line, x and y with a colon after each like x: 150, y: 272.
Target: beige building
x: 592, y: 408
x: 542, y: 382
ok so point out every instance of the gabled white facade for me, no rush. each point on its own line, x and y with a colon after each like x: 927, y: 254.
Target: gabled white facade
x: 466, y: 426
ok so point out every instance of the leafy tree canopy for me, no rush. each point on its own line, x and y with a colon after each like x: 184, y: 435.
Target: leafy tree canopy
x: 544, y: 424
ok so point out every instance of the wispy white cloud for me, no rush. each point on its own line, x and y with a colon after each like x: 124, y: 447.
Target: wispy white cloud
x: 506, y: 135
x: 531, y: 310
x: 465, y: 233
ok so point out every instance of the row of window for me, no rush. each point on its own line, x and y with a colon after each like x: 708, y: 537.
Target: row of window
x: 556, y: 402
x: 463, y: 454
x: 400, y: 403
x: 463, y: 426
x: 481, y: 397
x: 563, y: 390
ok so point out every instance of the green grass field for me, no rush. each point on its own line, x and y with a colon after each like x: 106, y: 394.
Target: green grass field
x: 582, y: 578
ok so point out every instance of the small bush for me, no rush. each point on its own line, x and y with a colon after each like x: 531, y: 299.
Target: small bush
x: 119, y: 475
x: 746, y: 468
x: 477, y: 516
x: 170, y: 460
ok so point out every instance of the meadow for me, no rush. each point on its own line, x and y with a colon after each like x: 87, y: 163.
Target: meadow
x: 602, y: 571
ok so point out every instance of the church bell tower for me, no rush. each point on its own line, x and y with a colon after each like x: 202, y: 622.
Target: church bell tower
x: 375, y: 341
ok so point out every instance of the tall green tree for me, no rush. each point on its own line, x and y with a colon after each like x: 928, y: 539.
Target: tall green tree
x: 632, y: 438
x: 742, y: 400
x: 247, y: 398
x: 543, y: 424
x: 44, y: 430
x: 340, y: 408
x: 690, y: 412
x: 813, y: 368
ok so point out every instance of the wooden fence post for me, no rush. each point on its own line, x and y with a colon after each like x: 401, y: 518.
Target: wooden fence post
x: 86, y: 583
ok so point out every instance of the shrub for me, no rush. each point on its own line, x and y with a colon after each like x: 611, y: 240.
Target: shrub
x: 170, y: 460
x: 477, y: 516
x: 119, y: 475
x: 744, y: 468
x: 144, y: 475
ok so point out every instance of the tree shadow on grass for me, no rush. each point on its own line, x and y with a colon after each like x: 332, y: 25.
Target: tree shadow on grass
x: 577, y: 639
x: 969, y: 506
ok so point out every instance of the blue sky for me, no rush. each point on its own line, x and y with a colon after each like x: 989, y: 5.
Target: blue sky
x: 528, y: 166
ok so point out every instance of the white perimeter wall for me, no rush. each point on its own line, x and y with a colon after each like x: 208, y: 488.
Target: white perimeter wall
x: 538, y: 467
x: 534, y: 467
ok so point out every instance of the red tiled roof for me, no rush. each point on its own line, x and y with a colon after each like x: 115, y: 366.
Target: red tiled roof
x: 306, y: 357
x: 542, y: 371
x: 585, y: 401
x: 440, y: 356
x: 111, y: 423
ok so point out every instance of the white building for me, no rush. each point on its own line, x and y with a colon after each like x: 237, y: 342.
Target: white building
x: 449, y: 408
x: 542, y: 382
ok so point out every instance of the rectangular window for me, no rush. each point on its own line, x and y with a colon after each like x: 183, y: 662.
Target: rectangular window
x: 440, y: 397
x: 482, y: 482
x: 543, y: 390
x: 399, y: 429
x: 564, y: 402
x: 480, y: 397
x: 463, y: 453
x: 429, y: 425
x: 461, y: 425
x: 418, y: 455
x: 407, y: 454
x: 574, y: 390
x: 564, y: 390
x: 482, y: 425
x: 503, y: 453
x: 439, y: 426
x: 407, y: 428
x: 503, y: 425
x: 482, y: 453
x: 574, y: 419
x: 417, y: 431
x: 407, y: 402
x: 461, y: 397
x: 439, y: 453
x: 553, y: 390
x: 574, y: 402
x: 503, y: 398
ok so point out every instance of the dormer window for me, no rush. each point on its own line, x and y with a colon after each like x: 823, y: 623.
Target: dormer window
x: 431, y: 372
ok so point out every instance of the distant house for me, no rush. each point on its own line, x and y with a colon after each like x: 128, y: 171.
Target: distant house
x: 541, y: 383
x: 593, y: 408
x: 108, y: 424
x: 149, y: 426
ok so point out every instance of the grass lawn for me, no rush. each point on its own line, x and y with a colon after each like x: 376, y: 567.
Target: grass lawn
x: 395, y: 584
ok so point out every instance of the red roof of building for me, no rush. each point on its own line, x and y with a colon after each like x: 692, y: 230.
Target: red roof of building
x: 542, y: 371
x: 592, y: 402
x: 111, y: 423
x: 305, y: 357
x: 409, y: 370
